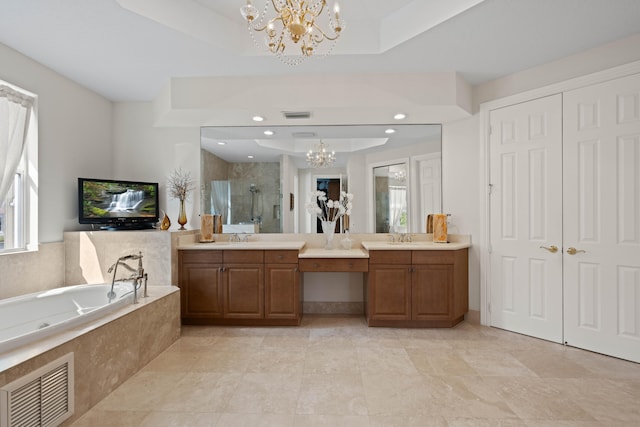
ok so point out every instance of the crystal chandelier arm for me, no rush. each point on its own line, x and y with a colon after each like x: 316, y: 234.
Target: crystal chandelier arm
x: 321, y: 35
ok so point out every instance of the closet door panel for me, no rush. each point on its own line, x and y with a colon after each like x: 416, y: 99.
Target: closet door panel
x: 601, y: 174
x: 526, y: 218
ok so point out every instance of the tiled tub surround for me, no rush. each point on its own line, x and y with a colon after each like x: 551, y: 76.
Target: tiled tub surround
x: 107, y: 351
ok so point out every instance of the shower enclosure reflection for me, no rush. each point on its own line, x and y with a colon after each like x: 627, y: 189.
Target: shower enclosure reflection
x: 247, y: 195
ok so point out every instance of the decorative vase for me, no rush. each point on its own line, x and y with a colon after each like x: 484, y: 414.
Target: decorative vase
x: 346, y: 243
x: 328, y: 229
x: 182, y: 217
x: 165, y: 223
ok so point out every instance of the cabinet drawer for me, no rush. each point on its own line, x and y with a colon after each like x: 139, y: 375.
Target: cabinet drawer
x: 433, y: 257
x: 390, y: 257
x: 243, y: 257
x: 333, y: 264
x: 281, y: 257
x: 201, y: 257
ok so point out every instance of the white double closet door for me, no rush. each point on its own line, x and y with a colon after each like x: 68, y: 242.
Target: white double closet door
x: 565, y: 218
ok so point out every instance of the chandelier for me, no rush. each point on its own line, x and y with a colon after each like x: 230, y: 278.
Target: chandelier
x: 321, y: 157
x: 297, y: 22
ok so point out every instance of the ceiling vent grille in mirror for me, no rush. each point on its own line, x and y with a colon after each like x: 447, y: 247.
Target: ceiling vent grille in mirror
x: 303, y: 134
x: 297, y: 114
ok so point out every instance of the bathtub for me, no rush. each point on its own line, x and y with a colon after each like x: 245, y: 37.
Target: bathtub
x: 30, y: 317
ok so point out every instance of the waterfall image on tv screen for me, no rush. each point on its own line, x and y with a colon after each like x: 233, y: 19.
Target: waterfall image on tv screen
x: 103, y: 199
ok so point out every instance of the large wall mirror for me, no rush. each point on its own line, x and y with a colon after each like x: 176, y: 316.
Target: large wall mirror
x: 260, y: 178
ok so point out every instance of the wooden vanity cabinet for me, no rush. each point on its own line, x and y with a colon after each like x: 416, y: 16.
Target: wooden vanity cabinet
x: 417, y: 288
x: 200, y: 282
x: 243, y: 284
x: 240, y: 287
x: 283, y: 296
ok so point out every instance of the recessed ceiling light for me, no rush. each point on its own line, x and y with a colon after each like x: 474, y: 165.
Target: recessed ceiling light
x: 268, y: 132
x: 249, y: 157
x: 390, y: 131
x: 222, y: 143
x: 258, y: 118
x: 400, y: 116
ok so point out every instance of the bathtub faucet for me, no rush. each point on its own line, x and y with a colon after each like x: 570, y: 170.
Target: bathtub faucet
x: 137, y: 276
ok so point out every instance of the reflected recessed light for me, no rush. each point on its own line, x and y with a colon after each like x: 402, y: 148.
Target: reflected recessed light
x: 268, y: 132
x: 400, y: 116
x: 390, y: 131
x: 258, y: 118
x: 222, y: 143
x: 249, y: 157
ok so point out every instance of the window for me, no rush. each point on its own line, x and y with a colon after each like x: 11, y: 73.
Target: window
x: 18, y: 170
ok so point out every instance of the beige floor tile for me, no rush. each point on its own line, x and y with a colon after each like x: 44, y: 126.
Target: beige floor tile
x: 495, y: 363
x: 330, y: 360
x: 255, y: 420
x: 440, y: 362
x: 100, y: 418
x: 331, y: 421
x: 533, y: 398
x: 380, y: 360
x: 397, y: 421
x: 332, y: 394
x: 180, y: 419
x: 236, y: 361
x: 200, y: 392
x: 393, y: 394
x: 335, y: 371
x: 143, y: 392
x: 265, y: 394
x: 277, y: 360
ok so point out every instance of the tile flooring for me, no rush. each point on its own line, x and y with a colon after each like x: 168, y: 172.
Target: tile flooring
x: 335, y: 371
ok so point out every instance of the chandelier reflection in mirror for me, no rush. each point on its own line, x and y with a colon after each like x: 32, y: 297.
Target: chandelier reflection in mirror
x: 296, y: 23
x: 321, y: 157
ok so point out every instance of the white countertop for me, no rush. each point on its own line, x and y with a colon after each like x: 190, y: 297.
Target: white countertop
x: 414, y: 246
x: 255, y: 245
x: 333, y: 253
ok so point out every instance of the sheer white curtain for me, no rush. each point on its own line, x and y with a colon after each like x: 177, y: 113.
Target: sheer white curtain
x: 220, y: 199
x: 15, y: 109
x: 397, y: 204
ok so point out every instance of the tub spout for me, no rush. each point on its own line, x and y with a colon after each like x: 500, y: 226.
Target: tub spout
x: 136, y: 278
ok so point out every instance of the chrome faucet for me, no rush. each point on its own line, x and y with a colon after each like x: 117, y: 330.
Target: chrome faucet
x: 137, y: 276
x: 234, y: 238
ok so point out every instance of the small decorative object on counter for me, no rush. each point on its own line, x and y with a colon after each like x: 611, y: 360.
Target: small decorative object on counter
x: 180, y: 185
x: 346, y: 243
x: 439, y: 228
x: 206, y: 228
x: 165, y: 223
x: 430, y: 224
x: 329, y: 211
x: 217, y: 224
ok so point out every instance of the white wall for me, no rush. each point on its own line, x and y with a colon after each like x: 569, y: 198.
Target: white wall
x: 147, y: 153
x: 462, y: 192
x: 74, y: 139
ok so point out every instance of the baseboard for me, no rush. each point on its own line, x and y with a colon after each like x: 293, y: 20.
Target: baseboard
x: 327, y: 307
x: 473, y: 317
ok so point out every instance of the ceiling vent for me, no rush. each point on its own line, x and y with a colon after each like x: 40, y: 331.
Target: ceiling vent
x: 303, y: 134
x: 297, y: 114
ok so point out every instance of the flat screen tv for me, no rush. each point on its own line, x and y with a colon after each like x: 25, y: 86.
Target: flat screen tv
x: 118, y: 205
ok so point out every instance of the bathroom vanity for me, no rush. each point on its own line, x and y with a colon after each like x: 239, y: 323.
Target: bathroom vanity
x: 413, y: 284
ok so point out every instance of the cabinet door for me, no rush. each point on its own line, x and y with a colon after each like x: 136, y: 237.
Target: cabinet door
x: 389, y: 292
x: 282, y: 291
x: 201, y: 291
x: 432, y: 292
x: 244, y: 291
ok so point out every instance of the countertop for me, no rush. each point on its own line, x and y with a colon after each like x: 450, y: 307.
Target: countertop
x: 333, y: 253
x: 414, y: 246
x: 254, y: 245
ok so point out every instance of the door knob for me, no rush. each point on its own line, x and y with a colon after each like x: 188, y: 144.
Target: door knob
x: 573, y: 251
x: 553, y: 249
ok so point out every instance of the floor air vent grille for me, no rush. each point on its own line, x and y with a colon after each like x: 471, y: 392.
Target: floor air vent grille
x: 44, y: 398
